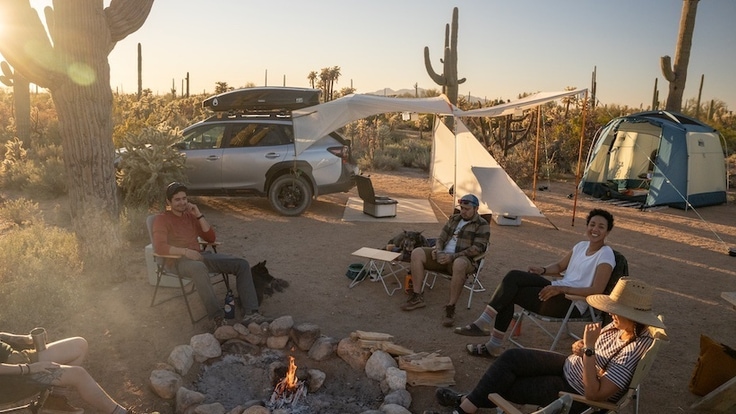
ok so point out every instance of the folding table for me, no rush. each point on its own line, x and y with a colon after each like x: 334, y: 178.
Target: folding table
x: 377, y: 261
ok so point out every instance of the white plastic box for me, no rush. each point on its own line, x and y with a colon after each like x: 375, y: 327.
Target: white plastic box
x: 166, y: 280
x: 507, y: 220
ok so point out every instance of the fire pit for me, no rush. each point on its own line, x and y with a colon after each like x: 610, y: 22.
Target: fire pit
x: 289, y: 390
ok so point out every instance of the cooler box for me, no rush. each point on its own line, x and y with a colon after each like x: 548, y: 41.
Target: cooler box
x: 166, y: 280
x: 507, y: 220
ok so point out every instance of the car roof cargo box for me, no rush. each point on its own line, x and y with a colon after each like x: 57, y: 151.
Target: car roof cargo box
x: 263, y: 99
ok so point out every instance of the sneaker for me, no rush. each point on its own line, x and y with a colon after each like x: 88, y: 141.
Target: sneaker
x: 448, y: 398
x: 449, y: 319
x: 254, y: 317
x: 58, y: 404
x: 416, y: 301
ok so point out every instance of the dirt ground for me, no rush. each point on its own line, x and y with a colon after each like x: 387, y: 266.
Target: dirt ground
x: 682, y: 253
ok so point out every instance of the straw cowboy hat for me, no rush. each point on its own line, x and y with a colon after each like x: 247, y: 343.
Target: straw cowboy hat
x: 631, y: 299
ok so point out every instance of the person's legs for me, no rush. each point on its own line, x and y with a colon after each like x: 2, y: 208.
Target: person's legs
x: 523, y: 376
x: 419, y: 257
x: 460, y: 269
x: 68, y: 351
x: 223, y: 263
x: 79, y: 379
x: 517, y: 287
x: 198, y: 272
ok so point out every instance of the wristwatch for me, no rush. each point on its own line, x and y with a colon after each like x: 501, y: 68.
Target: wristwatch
x: 588, y: 351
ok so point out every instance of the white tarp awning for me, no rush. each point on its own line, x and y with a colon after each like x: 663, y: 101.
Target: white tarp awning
x: 475, y: 171
x: 524, y: 103
x: 314, y: 122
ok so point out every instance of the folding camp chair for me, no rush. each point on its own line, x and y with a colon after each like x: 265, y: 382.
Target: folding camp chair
x: 634, y: 389
x: 559, y: 406
x: 472, y: 282
x: 33, y: 403
x: 591, y: 315
x: 162, y: 270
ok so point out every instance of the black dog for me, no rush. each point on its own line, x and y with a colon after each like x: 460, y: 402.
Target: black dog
x: 265, y: 283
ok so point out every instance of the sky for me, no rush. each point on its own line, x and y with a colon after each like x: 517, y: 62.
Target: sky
x: 505, y: 48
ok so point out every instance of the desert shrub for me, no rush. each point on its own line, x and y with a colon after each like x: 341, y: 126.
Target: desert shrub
x: 47, y: 179
x: 39, y: 273
x: 411, y: 153
x: 133, y: 224
x: 148, y: 163
x: 13, y: 174
x: 21, y: 212
x: 380, y: 162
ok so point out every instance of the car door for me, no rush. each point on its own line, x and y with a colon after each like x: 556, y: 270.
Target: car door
x: 253, y: 148
x: 202, y: 147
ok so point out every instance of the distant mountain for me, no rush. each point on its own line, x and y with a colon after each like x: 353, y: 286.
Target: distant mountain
x: 411, y: 92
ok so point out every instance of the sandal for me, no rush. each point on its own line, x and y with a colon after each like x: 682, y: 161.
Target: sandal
x: 471, y: 330
x: 482, y: 350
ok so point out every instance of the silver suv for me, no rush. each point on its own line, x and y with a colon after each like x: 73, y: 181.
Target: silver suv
x: 242, y: 152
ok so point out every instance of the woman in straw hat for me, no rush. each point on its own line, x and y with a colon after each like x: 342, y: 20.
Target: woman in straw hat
x: 600, y: 367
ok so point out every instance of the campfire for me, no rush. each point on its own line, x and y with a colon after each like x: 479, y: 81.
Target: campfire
x: 289, y: 390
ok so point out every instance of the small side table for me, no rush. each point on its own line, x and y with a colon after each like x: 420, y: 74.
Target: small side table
x: 377, y: 261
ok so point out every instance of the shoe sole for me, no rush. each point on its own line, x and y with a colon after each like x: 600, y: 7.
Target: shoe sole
x: 461, y: 330
x: 412, y: 307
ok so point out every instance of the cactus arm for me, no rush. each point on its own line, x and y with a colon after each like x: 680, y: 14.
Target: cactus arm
x: 126, y: 16
x: 438, y: 79
x: 666, y: 63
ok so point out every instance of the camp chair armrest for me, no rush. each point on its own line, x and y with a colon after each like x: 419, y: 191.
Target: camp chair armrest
x: 603, y: 405
x: 167, y: 256
x: 480, y: 257
x: 503, y: 404
x: 570, y: 296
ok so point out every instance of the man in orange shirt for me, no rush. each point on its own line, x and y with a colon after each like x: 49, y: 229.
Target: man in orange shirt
x: 175, y: 232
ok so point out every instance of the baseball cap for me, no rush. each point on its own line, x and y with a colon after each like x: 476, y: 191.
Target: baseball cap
x: 174, y: 188
x: 470, y: 199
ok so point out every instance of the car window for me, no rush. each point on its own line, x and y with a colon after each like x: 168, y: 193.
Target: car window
x: 260, y: 135
x: 204, y: 137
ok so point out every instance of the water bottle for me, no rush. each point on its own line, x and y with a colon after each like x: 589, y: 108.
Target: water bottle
x: 229, y: 305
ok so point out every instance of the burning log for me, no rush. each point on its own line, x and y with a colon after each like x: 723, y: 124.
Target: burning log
x: 289, y: 390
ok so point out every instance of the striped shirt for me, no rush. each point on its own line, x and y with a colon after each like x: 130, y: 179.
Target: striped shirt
x: 618, y: 357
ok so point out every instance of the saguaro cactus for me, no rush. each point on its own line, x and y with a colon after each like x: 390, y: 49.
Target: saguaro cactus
x: 22, y: 102
x: 677, y: 75
x: 448, y: 79
x: 71, y: 61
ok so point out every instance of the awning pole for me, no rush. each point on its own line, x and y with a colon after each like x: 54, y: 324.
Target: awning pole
x: 536, y: 154
x: 580, y: 156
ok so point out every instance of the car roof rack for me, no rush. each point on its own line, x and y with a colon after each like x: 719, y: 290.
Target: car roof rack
x: 262, y: 100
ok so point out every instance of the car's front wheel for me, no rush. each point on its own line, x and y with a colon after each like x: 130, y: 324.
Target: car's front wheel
x: 290, y: 195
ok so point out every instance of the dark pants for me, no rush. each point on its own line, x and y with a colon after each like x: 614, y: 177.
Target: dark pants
x: 199, y: 272
x: 522, y: 288
x: 523, y: 376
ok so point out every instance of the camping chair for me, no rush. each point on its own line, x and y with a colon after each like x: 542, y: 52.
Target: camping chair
x: 33, y: 403
x: 374, y: 205
x: 634, y: 389
x: 472, y: 283
x: 559, y: 406
x: 591, y: 315
x: 162, y: 270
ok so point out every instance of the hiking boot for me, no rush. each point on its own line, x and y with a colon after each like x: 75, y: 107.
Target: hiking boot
x: 448, y: 398
x: 416, y: 301
x: 449, y: 319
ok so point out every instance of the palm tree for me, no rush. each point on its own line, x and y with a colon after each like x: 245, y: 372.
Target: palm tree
x: 312, y: 77
x: 334, y: 76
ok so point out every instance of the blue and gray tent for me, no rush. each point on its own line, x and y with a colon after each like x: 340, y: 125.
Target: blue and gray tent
x: 657, y: 158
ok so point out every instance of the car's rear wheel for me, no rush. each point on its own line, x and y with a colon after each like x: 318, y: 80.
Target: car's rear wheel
x: 290, y: 195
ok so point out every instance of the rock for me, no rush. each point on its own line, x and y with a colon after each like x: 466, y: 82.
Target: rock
x: 398, y: 397
x: 304, y: 335
x: 394, y: 409
x: 163, y: 365
x: 351, y: 352
x: 238, y: 409
x: 322, y: 349
x: 181, y: 358
x: 377, y: 364
x: 240, y: 347
x: 226, y: 332
x: 255, y: 339
x: 315, y: 380
x: 165, y: 383
x: 395, y: 379
x: 215, y: 408
x: 281, y: 326
x: 205, y: 346
x: 277, y: 342
x: 256, y: 409
x: 276, y: 371
x: 185, y: 398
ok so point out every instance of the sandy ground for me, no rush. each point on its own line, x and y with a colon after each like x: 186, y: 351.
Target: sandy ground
x: 682, y: 253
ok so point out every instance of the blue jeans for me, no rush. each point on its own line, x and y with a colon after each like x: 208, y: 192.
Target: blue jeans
x: 523, y: 376
x: 199, y: 272
x: 522, y: 288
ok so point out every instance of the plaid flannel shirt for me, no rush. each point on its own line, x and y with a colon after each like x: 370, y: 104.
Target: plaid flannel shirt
x: 473, y: 237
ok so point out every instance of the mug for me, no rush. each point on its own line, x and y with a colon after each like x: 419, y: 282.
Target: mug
x: 39, y: 338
